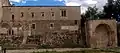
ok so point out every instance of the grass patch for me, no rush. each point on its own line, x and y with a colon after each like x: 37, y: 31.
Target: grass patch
x: 84, y: 51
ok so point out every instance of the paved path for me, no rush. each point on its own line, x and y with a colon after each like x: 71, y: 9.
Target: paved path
x: 42, y: 50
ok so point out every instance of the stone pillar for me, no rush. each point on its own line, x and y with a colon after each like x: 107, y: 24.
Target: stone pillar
x: 25, y: 37
x: 87, y: 30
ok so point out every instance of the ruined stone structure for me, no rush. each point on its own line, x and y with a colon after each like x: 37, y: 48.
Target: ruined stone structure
x: 51, y: 26
x: 102, y: 33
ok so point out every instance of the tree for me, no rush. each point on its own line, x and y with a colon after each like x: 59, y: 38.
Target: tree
x: 91, y: 13
x: 108, y: 9
x: 101, y: 14
x: 116, y: 9
x: 112, y: 9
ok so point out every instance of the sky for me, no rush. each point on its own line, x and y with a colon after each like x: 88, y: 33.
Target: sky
x: 83, y: 3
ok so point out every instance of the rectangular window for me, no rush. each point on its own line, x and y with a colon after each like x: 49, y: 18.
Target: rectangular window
x: 33, y: 26
x: 42, y: 14
x: 63, y: 13
x: 11, y: 32
x: 76, y: 21
x: 12, y: 17
x: 22, y: 14
x: 52, y: 14
x: 51, y: 25
x: 32, y: 13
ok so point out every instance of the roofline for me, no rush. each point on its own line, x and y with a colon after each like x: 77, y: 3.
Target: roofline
x: 41, y: 6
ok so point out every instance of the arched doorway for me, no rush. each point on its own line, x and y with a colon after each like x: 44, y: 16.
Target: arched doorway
x: 102, y: 36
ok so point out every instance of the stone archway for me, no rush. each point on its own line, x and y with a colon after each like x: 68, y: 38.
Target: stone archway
x: 102, y: 36
x: 5, y: 25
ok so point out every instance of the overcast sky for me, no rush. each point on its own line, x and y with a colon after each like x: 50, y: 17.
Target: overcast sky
x: 83, y: 3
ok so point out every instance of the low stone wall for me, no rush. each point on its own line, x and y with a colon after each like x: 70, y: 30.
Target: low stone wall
x: 45, y: 40
x: 54, y: 39
x: 11, y: 40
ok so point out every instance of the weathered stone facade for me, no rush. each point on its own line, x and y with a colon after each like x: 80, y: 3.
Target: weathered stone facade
x: 51, y: 26
x: 102, y: 33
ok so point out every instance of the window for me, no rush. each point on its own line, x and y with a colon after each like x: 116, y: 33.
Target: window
x: 42, y: 14
x: 52, y: 13
x: 51, y: 25
x: 76, y: 22
x: 22, y: 14
x: 33, y: 26
x: 63, y: 13
x: 32, y: 14
x: 12, y: 17
x: 10, y: 32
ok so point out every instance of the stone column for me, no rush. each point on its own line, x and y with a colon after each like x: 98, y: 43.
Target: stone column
x: 25, y: 37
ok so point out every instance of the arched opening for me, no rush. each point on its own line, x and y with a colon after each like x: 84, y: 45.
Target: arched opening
x: 5, y: 25
x: 10, y: 32
x: 102, y: 36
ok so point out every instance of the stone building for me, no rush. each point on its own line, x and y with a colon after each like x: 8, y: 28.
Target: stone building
x: 101, y: 33
x: 51, y: 26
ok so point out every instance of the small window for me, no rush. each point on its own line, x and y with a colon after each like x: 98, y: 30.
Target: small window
x: 22, y: 14
x: 76, y: 21
x: 12, y: 17
x: 42, y: 14
x: 33, y: 26
x: 10, y: 32
x: 52, y: 13
x: 63, y: 13
x: 51, y: 25
x: 32, y: 14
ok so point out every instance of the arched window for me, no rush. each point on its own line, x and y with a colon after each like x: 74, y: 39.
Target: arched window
x: 10, y: 32
x: 33, y: 26
x: 63, y: 13
x: 32, y: 13
x: 22, y: 14
x: 12, y: 17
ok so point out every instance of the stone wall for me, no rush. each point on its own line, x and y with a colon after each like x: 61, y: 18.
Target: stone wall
x: 49, y: 30
x: 55, y: 39
x: 25, y: 13
x: 62, y: 33
x: 102, y: 33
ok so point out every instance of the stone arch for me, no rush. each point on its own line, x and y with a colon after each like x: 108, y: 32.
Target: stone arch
x: 102, y: 36
x: 17, y: 25
x: 5, y: 25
